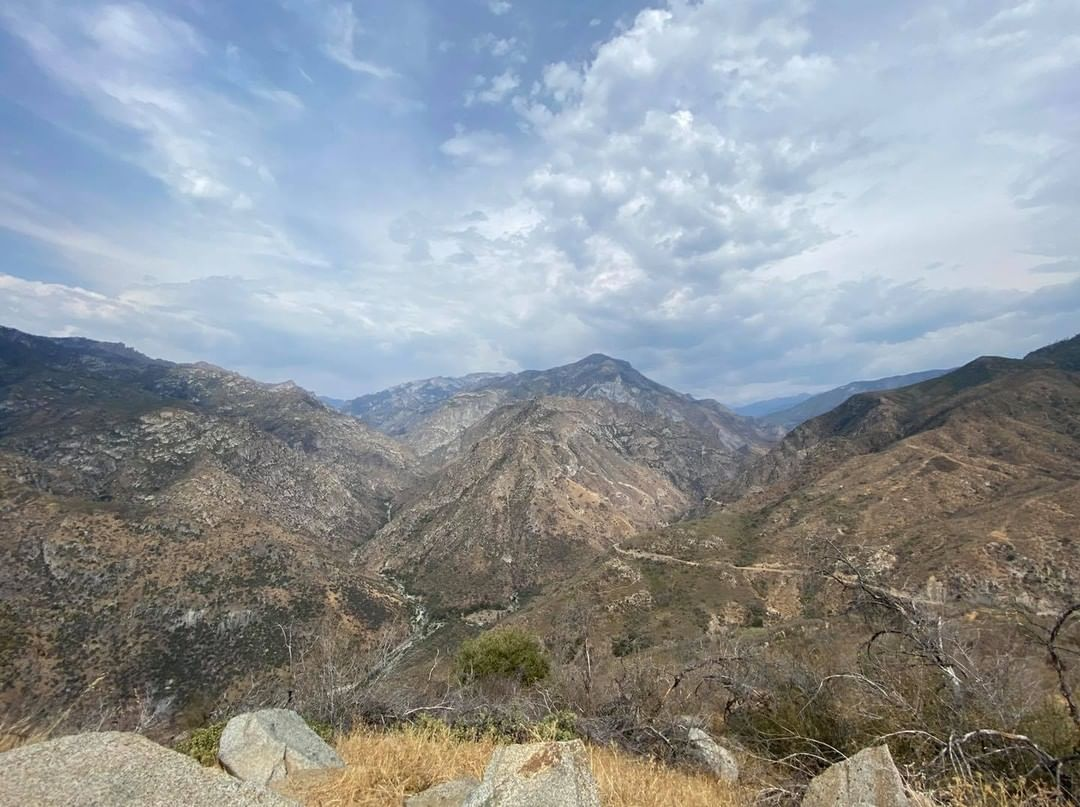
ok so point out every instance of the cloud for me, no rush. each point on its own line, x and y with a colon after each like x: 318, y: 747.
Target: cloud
x: 477, y: 147
x: 342, y: 31
x: 743, y: 198
x: 499, y: 7
x: 499, y: 48
x: 493, y: 90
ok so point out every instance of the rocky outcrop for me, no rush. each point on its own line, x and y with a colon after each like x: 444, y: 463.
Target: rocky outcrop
x: 447, y: 794
x: 868, y: 779
x: 270, y: 744
x: 712, y: 757
x: 113, y: 768
x: 537, y: 775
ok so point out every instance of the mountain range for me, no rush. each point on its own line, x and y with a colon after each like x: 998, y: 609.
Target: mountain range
x: 788, y: 412
x: 152, y: 512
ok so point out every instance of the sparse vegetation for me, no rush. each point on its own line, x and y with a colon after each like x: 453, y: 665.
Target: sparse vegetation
x: 387, y: 766
x: 202, y: 744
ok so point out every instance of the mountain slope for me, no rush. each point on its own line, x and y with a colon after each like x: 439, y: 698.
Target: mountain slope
x: 436, y: 420
x: 155, y: 513
x: 814, y: 405
x: 537, y: 487
x: 971, y: 479
x: 759, y: 409
x: 960, y: 494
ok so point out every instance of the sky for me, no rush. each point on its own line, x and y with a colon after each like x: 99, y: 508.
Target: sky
x: 744, y: 198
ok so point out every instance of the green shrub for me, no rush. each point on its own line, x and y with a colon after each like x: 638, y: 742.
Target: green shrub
x: 510, y: 655
x: 557, y: 727
x: 202, y: 744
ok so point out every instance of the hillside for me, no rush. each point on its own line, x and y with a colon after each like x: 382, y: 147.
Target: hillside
x: 154, y: 512
x: 960, y: 493
x: 428, y: 415
x: 536, y: 488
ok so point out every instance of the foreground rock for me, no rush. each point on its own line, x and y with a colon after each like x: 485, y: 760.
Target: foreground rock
x: 113, y: 768
x: 268, y: 745
x: 711, y: 756
x: 448, y: 794
x: 868, y: 779
x: 537, y: 775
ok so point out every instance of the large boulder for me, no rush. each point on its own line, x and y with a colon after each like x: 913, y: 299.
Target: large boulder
x: 111, y: 768
x: 537, y: 775
x: 868, y: 779
x: 712, y: 757
x: 268, y: 745
x: 447, y: 794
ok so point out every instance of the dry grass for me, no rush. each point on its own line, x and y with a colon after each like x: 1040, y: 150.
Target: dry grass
x: 17, y: 733
x: 384, y: 768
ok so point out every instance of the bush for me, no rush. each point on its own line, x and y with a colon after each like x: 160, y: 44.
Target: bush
x: 202, y: 744
x: 509, y: 655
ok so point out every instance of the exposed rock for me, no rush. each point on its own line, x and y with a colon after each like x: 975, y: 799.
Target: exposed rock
x: 270, y: 744
x: 447, y: 794
x: 113, y: 768
x: 868, y: 779
x: 711, y: 756
x: 537, y: 775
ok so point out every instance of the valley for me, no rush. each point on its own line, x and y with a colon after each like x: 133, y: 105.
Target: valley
x: 178, y: 540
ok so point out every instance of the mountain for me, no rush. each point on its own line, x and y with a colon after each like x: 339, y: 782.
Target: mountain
x: 960, y: 494
x: 970, y: 479
x: 429, y: 415
x: 813, y: 405
x: 768, y: 406
x: 538, y: 487
x: 163, y: 525
x: 397, y: 410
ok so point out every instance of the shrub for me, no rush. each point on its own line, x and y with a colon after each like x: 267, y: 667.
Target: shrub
x: 202, y: 744
x: 509, y: 655
x: 556, y: 727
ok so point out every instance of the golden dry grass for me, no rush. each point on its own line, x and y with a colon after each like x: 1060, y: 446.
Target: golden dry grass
x: 384, y: 768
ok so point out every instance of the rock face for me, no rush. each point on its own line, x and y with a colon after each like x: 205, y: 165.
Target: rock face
x: 868, y: 779
x: 268, y: 745
x: 448, y: 794
x: 537, y: 775
x: 113, y: 768
x: 712, y: 757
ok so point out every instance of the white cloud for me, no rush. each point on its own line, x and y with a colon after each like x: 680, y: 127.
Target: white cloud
x: 477, y: 147
x: 493, y: 90
x: 342, y: 31
x: 499, y: 7
x: 735, y: 195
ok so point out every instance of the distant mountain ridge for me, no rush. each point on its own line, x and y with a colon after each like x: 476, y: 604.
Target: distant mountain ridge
x: 430, y: 414
x: 813, y: 405
x: 759, y: 409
